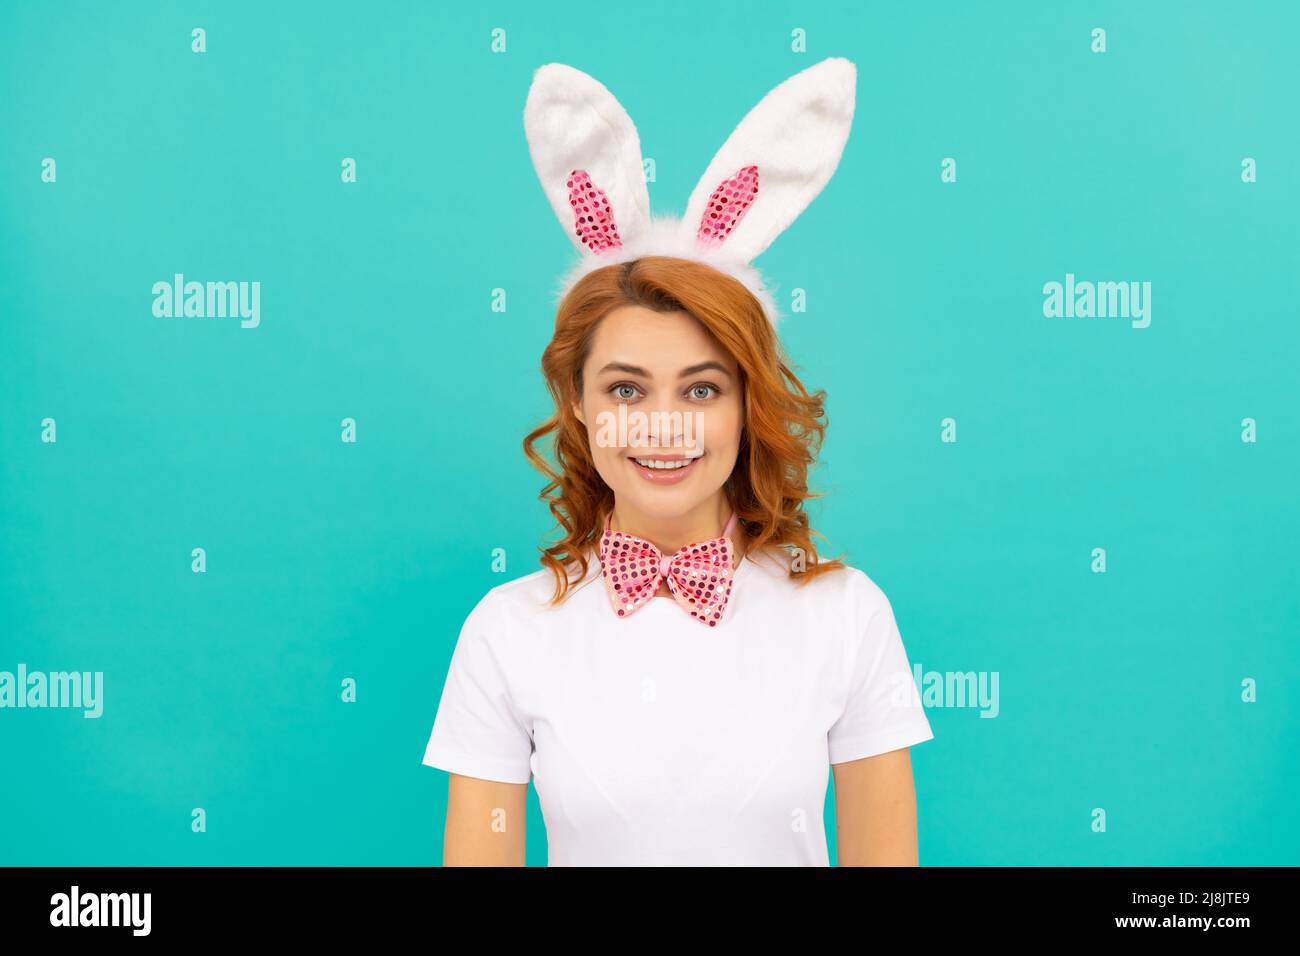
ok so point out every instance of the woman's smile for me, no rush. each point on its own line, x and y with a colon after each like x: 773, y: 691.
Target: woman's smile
x: 665, y: 469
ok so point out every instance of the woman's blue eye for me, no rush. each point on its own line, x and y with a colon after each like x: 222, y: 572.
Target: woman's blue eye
x: 695, y: 392
x: 618, y: 392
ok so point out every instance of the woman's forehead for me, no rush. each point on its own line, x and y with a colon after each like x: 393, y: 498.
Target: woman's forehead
x: 655, y: 341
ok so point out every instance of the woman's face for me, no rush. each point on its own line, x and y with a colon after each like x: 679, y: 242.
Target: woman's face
x: 667, y: 457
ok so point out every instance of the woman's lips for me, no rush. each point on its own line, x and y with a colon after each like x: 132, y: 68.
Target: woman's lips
x: 665, y: 476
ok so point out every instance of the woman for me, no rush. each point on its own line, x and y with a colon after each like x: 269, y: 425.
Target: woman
x: 684, y: 671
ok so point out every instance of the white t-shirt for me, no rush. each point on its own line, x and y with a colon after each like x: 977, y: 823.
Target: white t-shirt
x: 653, y: 740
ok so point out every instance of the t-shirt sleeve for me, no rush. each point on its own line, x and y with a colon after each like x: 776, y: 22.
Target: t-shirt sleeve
x: 478, y: 732
x: 883, y: 709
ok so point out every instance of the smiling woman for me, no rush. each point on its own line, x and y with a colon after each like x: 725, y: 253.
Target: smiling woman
x: 684, y: 670
x: 650, y: 740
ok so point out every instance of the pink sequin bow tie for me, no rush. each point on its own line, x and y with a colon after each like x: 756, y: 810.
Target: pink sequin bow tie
x: 699, y: 575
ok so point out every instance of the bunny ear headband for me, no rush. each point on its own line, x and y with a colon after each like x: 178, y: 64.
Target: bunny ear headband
x: 588, y: 157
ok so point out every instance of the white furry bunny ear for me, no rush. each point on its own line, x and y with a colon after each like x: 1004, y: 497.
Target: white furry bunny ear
x: 588, y: 157
x: 775, y: 162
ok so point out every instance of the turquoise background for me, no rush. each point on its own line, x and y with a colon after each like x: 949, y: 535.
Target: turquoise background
x: 329, y: 560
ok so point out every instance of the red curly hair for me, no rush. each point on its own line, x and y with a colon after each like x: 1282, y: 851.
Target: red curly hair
x: 783, y: 428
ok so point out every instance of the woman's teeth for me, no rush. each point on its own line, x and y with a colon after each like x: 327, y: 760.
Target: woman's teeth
x: 668, y: 465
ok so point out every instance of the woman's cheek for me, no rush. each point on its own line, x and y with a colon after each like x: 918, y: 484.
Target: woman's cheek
x: 608, y: 458
x: 722, y: 428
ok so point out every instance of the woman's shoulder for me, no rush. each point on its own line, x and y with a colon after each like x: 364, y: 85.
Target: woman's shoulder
x: 842, y: 584
x: 524, y: 597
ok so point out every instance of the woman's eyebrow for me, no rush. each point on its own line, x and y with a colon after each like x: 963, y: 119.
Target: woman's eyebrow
x: 624, y: 367
x: 638, y: 370
x: 710, y: 365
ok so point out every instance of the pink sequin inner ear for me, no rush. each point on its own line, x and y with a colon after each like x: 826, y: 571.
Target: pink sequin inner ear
x: 727, y: 206
x: 594, y: 220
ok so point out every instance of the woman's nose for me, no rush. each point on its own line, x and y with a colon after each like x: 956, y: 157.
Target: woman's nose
x: 669, y: 426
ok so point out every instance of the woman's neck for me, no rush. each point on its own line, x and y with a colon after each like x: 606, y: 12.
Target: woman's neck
x: 669, y: 535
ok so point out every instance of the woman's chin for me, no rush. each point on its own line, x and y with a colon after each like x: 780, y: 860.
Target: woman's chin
x: 665, y: 502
